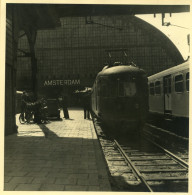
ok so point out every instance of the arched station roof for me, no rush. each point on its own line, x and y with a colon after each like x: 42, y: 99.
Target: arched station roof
x: 163, y: 40
x: 46, y: 16
x: 108, y: 9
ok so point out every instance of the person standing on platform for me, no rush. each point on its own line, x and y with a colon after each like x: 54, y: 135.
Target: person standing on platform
x: 64, y: 106
x: 23, y: 104
x: 86, y: 105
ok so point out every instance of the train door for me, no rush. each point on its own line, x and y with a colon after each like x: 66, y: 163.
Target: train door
x: 167, y: 95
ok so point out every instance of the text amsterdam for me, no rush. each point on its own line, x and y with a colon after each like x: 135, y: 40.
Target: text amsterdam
x: 61, y: 82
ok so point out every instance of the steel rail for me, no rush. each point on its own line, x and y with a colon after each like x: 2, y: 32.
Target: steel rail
x: 139, y: 175
x: 167, y: 131
x: 173, y: 156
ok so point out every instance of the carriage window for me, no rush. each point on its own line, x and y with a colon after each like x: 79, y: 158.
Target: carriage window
x: 179, y: 83
x: 187, y: 81
x: 127, y: 89
x: 157, y: 88
x: 151, y: 88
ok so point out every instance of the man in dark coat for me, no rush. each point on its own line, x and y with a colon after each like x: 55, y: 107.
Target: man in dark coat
x: 64, y: 106
x: 86, y: 104
x: 24, y: 100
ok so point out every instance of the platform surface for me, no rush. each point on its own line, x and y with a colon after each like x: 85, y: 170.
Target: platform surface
x: 62, y: 155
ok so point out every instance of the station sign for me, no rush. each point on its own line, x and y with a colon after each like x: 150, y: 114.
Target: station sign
x: 61, y: 82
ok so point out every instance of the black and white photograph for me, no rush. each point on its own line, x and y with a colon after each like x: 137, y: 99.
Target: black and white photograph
x: 95, y: 96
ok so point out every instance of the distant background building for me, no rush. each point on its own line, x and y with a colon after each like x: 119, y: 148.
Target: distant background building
x: 76, y: 50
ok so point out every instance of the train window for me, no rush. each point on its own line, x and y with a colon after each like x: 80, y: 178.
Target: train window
x: 130, y: 89
x: 112, y: 88
x: 103, y: 87
x: 187, y: 81
x: 151, y: 88
x: 104, y: 90
x: 121, y: 89
x: 127, y: 89
x: 179, y: 83
x: 157, y: 88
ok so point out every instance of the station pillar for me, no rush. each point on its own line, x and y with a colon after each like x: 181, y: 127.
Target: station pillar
x: 31, y: 36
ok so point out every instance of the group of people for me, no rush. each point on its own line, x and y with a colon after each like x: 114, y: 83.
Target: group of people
x: 85, y: 102
x: 31, y: 108
x: 28, y: 105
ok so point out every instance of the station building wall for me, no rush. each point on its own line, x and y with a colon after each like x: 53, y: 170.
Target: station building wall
x: 76, y: 50
x: 12, y: 30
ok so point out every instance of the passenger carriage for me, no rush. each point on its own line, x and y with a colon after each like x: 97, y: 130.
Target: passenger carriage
x: 169, y: 96
x: 169, y: 91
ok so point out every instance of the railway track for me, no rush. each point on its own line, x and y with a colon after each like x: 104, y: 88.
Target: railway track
x: 133, y: 168
x: 178, y: 145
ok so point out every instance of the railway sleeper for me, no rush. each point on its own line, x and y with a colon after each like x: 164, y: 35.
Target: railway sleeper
x: 116, y: 159
x: 143, y: 167
x: 146, y: 154
x: 166, y: 178
x: 162, y: 170
x: 154, y: 164
x: 149, y: 158
x: 130, y: 151
x: 118, y: 163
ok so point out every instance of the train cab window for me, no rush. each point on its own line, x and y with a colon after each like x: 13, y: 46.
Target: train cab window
x: 179, y: 83
x: 104, y: 90
x: 151, y: 89
x: 187, y: 81
x: 112, y: 88
x: 121, y: 89
x: 127, y: 89
x: 103, y: 86
x: 130, y: 89
x: 157, y: 88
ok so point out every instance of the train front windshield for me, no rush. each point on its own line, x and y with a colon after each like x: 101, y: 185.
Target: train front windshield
x: 117, y: 87
x: 126, y: 89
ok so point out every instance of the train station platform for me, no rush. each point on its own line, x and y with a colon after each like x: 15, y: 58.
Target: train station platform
x: 62, y: 155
